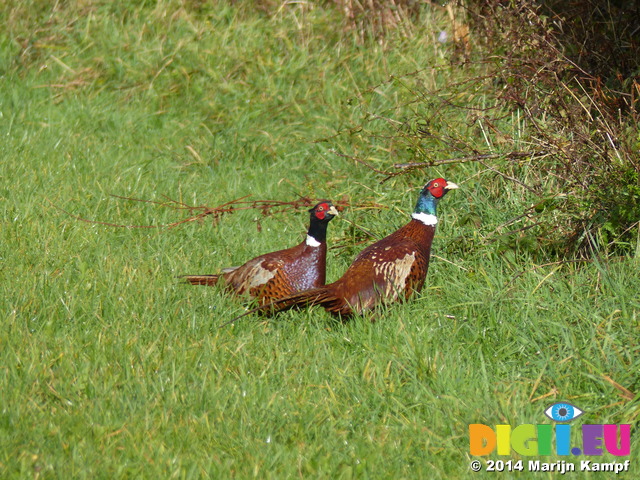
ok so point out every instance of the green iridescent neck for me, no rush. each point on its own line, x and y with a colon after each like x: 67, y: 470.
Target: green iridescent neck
x: 427, y: 203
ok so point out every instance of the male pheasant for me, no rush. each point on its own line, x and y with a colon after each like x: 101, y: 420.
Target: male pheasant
x: 391, y: 269
x: 277, y: 274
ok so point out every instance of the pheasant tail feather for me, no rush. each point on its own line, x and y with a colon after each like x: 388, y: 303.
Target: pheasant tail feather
x: 208, y: 280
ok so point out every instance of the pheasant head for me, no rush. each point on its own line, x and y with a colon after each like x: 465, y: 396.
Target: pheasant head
x: 321, y: 215
x: 430, y: 195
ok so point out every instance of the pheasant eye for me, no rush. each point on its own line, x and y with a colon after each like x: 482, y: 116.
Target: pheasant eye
x: 563, y: 412
x: 436, y: 185
x: 320, y: 208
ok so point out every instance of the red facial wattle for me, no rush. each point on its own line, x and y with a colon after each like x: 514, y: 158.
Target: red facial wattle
x: 321, y: 211
x: 437, y: 187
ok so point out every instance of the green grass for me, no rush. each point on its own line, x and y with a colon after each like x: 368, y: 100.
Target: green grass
x: 111, y: 368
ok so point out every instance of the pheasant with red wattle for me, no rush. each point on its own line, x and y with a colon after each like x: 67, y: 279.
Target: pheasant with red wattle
x: 275, y: 275
x: 392, y: 269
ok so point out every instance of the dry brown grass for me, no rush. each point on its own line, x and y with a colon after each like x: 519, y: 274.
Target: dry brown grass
x: 374, y: 18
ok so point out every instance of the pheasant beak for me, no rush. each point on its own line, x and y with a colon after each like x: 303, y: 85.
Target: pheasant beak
x: 333, y: 211
x: 451, y: 186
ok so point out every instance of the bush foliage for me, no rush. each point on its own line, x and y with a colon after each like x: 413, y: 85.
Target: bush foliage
x: 553, y: 92
x: 574, y: 76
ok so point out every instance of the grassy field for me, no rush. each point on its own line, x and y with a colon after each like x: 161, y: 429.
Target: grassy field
x: 111, y: 368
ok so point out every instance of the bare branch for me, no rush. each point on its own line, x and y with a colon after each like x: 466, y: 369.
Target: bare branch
x: 199, y: 212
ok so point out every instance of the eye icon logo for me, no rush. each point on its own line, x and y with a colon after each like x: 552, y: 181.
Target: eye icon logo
x: 563, y: 412
x: 540, y: 439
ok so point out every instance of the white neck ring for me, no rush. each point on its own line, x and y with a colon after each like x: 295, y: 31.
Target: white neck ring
x: 312, y: 242
x: 425, y: 218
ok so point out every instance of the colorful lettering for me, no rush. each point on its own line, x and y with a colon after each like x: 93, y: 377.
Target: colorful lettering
x: 611, y: 439
x: 531, y: 440
x: 592, y: 439
x: 482, y: 439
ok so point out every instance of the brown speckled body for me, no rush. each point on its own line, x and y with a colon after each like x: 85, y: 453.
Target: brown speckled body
x: 391, y: 269
x: 285, y: 272
x: 278, y: 274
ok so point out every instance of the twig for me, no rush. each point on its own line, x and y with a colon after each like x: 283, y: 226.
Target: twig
x: 206, y: 211
x: 469, y: 158
x: 265, y: 206
x: 526, y: 214
x: 509, y: 177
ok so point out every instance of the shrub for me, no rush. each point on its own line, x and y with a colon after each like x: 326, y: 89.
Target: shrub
x: 581, y: 105
x: 570, y: 81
